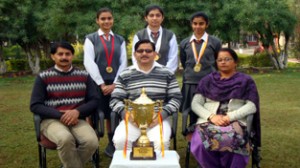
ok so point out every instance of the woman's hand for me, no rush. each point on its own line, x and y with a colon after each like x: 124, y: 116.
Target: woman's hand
x: 226, y: 119
x: 220, y: 120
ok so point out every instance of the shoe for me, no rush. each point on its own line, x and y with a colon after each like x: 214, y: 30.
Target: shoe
x: 110, y: 150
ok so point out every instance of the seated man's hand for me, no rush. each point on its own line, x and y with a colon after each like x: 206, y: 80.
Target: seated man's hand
x: 110, y: 88
x: 70, y: 117
x: 154, y: 123
x: 131, y: 120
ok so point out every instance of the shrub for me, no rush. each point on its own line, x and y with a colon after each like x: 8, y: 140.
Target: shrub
x: 78, y: 50
x: 46, y: 63
x: 13, y: 52
x: 243, y: 60
x: 260, y: 60
x: 15, y: 65
x: 8, y: 66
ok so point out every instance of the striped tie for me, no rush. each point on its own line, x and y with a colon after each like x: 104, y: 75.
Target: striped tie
x: 154, y: 36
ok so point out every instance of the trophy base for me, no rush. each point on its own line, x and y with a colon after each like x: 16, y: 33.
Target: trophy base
x: 142, y: 153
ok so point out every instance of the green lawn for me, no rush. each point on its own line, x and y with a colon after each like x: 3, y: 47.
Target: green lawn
x: 280, y: 112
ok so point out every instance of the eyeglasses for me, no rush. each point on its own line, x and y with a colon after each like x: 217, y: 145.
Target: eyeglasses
x: 144, y: 50
x: 105, y: 18
x: 225, y: 59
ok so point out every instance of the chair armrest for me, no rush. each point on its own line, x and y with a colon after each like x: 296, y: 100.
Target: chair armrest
x: 185, y: 115
x: 249, y: 124
x: 256, y: 157
x: 114, y: 120
x: 37, y: 126
x: 174, y: 124
x: 100, y: 124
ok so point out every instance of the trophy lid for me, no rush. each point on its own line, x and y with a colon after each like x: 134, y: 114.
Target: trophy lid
x: 143, y: 99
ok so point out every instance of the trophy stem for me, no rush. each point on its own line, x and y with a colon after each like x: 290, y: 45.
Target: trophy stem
x: 143, y: 140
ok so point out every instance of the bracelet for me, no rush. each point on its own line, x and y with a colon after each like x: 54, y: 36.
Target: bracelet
x: 210, y: 117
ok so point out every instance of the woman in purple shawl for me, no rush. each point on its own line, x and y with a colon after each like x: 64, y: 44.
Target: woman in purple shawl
x: 222, y: 102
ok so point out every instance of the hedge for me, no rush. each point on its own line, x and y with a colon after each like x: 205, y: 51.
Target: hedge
x: 15, y: 65
x: 258, y: 60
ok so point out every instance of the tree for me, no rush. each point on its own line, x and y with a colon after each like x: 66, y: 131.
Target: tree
x: 295, y: 8
x: 20, y: 26
x: 68, y: 20
x: 271, y: 19
x: 33, y: 24
x: 5, y: 26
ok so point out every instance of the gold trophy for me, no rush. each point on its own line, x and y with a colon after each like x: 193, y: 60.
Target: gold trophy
x: 143, y: 112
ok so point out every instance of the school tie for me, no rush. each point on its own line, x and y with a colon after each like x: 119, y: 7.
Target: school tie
x: 199, y: 42
x: 154, y: 36
x: 107, y: 37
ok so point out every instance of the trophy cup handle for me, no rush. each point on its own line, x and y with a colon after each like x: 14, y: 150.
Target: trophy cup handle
x: 159, y: 104
x: 126, y: 102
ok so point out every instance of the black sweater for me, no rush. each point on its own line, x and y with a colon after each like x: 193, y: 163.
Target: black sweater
x: 54, y: 91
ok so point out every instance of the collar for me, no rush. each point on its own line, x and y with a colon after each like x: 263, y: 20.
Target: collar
x: 149, y: 31
x: 155, y: 64
x: 101, y: 33
x: 60, y: 70
x: 203, y: 37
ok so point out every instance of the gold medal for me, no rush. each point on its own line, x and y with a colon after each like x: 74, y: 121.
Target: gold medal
x: 197, y: 57
x: 156, y: 57
x: 197, y: 67
x: 109, y: 69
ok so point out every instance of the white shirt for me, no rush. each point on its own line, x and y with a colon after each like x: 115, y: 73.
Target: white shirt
x: 155, y: 64
x: 172, y: 63
x: 61, y: 70
x: 92, y: 67
x: 204, y: 37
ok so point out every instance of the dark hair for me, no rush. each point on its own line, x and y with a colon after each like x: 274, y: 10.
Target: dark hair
x: 199, y: 14
x: 102, y: 10
x: 62, y: 44
x: 230, y: 51
x: 143, y: 41
x: 153, y: 7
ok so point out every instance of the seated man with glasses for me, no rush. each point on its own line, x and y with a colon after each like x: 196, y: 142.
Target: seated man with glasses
x: 159, y: 83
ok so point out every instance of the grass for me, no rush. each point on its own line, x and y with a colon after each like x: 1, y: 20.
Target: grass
x: 279, y: 95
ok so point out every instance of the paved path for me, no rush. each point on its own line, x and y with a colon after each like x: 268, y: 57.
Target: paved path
x: 294, y: 60
x: 250, y: 51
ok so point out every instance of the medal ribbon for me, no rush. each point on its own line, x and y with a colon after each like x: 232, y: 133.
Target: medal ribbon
x: 108, y: 57
x: 201, y: 51
x: 160, y: 120
x: 126, y: 129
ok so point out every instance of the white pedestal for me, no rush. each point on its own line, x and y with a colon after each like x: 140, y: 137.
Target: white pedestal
x: 171, y: 160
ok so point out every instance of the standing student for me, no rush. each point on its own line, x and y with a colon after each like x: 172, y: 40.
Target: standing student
x: 164, y: 40
x: 104, y: 59
x: 197, y: 56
